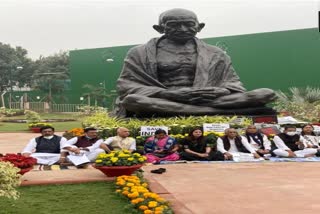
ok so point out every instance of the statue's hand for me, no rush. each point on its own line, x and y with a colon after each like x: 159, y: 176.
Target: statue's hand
x: 181, y: 94
x: 210, y: 92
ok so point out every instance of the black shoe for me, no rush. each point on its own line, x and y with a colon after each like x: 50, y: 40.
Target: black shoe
x: 162, y: 169
x: 158, y: 171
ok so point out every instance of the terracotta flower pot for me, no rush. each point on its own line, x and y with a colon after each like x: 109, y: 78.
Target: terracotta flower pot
x: 25, y: 170
x: 35, y: 129
x: 113, y: 171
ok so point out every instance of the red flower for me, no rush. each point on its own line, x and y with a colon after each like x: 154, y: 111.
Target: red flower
x: 19, y: 160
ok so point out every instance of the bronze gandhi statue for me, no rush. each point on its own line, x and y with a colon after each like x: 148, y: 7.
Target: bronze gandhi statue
x: 178, y: 74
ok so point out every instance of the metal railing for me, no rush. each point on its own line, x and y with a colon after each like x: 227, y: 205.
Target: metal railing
x: 66, y: 107
x: 45, y: 107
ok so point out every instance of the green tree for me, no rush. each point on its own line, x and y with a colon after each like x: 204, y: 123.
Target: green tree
x: 96, y: 93
x: 52, y: 74
x: 16, y: 68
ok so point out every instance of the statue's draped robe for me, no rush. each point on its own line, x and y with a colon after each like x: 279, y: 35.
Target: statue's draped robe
x: 140, y: 76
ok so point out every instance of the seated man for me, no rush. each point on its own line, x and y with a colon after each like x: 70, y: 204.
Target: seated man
x: 180, y: 74
x: 161, y: 147
x: 119, y: 142
x: 260, y: 142
x: 46, y: 148
x: 289, y: 144
x: 232, y: 145
x: 87, y: 145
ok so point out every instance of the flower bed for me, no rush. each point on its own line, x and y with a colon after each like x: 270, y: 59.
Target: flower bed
x: 120, y: 158
x: 19, y: 161
x: 38, y: 125
x: 75, y: 132
x: 136, y: 190
x: 177, y: 125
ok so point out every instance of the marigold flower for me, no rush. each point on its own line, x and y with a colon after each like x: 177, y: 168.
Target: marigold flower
x: 152, y: 204
x: 143, y: 207
x: 148, y: 212
x: 125, y: 192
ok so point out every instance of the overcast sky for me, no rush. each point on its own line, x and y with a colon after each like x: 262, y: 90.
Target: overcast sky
x: 44, y: 27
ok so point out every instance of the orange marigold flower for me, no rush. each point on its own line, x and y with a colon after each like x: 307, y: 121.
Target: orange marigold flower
x: 143, y: 207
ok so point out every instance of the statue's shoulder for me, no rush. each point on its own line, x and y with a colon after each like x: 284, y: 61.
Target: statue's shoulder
x: 211, y: 48
x: 152, y: 43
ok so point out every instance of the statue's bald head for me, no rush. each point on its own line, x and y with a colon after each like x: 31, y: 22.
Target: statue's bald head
x: 177, y: 13
x: 179, y: 25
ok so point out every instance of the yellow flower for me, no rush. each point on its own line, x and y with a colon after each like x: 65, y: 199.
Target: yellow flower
x: 98, y: 161
x: 160, y: 199
x: 130, y: 184
x: 113, y: 160
x: 133, y: 195
x: 152, y: 204
x: 159, y: 209
x: 130, y: 159
x: 125, y: 192
x: 136, y: 155
x: 144, y: 184
x: 148, y: 212
x: 134, y: 201
x: 140, y: 199
x: 143, y: 207
x: 141, y: 159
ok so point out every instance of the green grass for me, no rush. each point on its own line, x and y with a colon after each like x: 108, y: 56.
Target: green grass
x: 59, y: 126
x: 90, y: 198
x: 23, y: 127
x: 49, y: 116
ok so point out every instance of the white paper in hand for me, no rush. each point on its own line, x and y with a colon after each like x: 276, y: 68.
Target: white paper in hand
x: 78, y: 159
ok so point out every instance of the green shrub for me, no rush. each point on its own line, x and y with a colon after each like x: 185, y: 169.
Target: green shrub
x: 177, y: 125
x: 301, y: 103
x: 11, y: 112
x: 9, y: 180
x: 32, y: 116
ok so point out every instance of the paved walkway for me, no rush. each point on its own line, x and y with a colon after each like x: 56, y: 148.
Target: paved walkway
x: 238, y: 188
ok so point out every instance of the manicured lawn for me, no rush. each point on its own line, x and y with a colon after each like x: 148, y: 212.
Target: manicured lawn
x: 22, y: 127
x: 90, y: 198
x: 59, y: 126
x: 49, y: 116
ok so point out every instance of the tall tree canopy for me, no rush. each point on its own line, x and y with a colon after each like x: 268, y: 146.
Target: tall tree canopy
x: 15, y: 67
x: 51, y: 74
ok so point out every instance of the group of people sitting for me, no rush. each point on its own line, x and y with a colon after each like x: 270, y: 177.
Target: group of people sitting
x: 51, y: 149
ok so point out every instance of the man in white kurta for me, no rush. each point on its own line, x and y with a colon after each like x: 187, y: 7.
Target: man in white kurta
x: 46, y: 148
x: 289, y: 144
x: 233, y: 146
x: 259, y: 142
x: 85, y: 148
x: 120, y: 142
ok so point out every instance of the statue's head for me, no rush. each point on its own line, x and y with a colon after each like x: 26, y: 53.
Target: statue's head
x: 179, y: 24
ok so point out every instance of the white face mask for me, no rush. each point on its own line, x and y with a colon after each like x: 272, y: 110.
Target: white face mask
x: 48, y: 137
x: 291, y: 133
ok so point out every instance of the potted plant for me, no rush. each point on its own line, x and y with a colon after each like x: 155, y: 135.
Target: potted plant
x: 119, y: 163
x: 35, y: 127
x: 75, y: 132
x: 25, y: 164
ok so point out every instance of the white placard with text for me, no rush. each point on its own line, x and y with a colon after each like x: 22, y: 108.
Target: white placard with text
x: 216, y: 127
x: 150, y: 130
